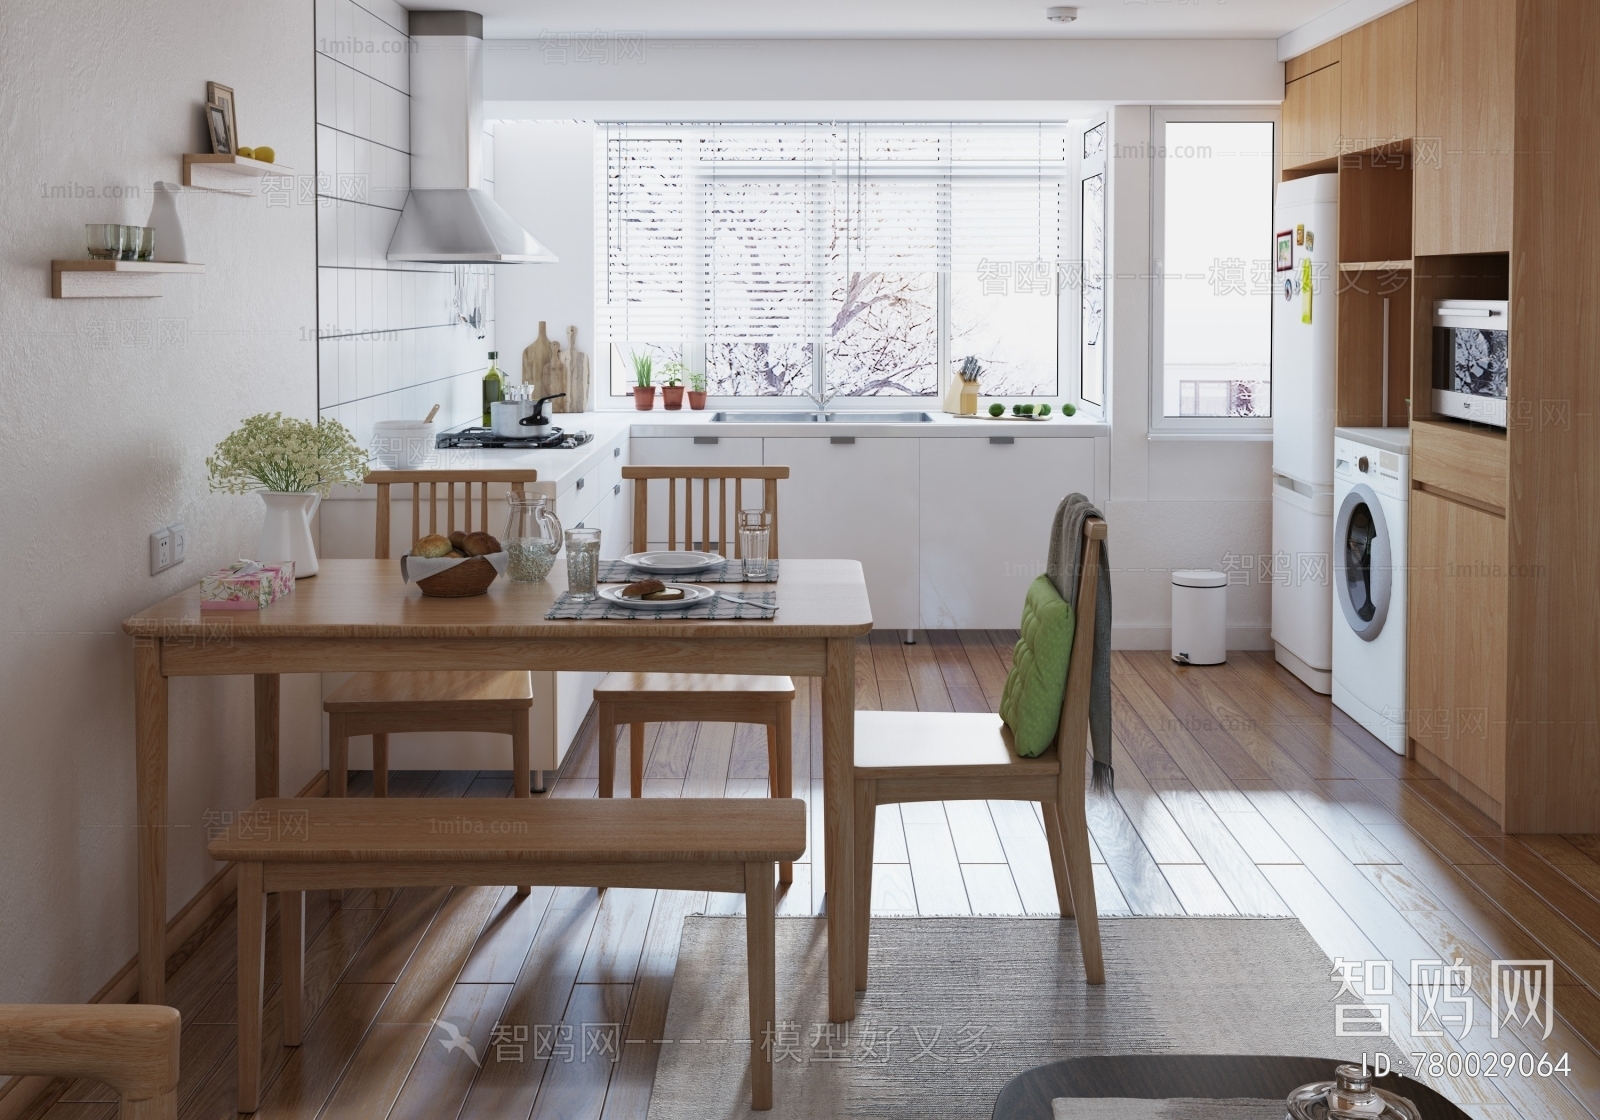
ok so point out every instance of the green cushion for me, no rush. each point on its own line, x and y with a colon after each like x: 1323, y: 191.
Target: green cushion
x: 1031, y: 703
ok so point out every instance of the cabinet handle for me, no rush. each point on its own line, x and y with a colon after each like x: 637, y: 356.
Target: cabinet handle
x: 706, y: 439
x: 616, y: 452
x: 1002, y: 439
x: 841, y: 439
x: 617, y: 489
x: 580, y: 484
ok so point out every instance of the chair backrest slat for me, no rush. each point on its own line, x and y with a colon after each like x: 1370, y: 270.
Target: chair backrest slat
x: 1072, y: 733
x: 717, y: 527
x: 385, y: 482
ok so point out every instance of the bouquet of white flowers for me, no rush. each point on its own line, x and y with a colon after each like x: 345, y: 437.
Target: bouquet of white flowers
x: 275, y: 452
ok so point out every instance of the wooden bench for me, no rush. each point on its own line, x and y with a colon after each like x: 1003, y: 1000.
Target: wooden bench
x: 290, y: 845
x: 132, y: 1048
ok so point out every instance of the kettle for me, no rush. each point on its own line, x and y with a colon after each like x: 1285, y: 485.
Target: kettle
x: 536, y: 423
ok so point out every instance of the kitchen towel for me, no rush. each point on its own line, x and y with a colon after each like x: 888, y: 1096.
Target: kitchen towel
x: 1063, y: 568
x: 566, y: 606
x: 618, y: 571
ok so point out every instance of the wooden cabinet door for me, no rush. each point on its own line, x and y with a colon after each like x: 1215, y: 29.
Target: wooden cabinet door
x: 1456, y: 679
x: 1311, y: 117
x: 1378, y: 82
x: 987, y: 509
x: 854, y: 501
x: 1466, y: 60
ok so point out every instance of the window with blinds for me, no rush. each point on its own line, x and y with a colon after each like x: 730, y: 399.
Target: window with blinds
x: 852, y: 259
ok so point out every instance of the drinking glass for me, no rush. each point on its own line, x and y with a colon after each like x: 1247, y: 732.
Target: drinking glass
x: 104, y: 240
x: 147, y: 242
x: 583, y: 563
x: 755, y: 535
x: 532, y: 538
x: 130, y: 242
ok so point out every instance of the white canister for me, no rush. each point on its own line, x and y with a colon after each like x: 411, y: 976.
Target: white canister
x: 1199, y: 617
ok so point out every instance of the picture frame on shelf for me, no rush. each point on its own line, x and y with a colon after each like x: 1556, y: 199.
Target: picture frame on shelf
x: 221, y: 136
x: 219, y: 94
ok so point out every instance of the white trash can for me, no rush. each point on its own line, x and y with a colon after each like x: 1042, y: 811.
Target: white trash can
x: 1199, y: 617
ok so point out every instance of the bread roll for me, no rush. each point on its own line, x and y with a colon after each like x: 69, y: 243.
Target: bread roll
x: 479, y: 544
x: 431, y: 546
x: 457, y: 536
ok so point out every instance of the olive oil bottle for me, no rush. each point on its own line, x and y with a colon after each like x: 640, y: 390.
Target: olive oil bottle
x: 494, y: 389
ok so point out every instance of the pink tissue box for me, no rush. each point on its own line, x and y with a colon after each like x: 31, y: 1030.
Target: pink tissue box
x: 237, y: 588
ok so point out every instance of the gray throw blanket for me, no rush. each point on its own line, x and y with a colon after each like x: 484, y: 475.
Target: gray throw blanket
x: 1064, y: 568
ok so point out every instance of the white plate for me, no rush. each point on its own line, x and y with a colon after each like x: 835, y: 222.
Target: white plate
x: 693, y: 593
x: 674, y: 563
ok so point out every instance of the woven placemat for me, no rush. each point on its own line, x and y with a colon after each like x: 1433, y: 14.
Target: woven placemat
x: 616, y: 571
x: 568, y: 607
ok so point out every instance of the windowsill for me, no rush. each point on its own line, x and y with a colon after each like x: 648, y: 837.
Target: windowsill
x: 1209, y: 437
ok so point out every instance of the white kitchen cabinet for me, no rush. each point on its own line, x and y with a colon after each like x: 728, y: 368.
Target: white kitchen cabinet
x: 854, y: 500
x: 986, y: 511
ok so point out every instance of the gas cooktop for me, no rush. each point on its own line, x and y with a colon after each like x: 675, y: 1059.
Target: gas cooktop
x: 472, y: 438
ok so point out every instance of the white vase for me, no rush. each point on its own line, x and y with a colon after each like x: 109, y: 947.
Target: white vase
x: 170, y: 245
x: 286, y: 530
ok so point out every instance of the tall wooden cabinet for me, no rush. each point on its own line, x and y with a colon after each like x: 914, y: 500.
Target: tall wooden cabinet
x: 1492, y: 134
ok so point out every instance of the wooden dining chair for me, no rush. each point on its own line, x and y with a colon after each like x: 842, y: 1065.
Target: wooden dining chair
x: 382, y: 704
x: 966, y: 756
x: 707, y: 522
x: 133, y: 1048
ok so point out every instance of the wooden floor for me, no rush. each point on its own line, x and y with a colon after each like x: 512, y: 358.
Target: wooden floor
x: 1238, y: 791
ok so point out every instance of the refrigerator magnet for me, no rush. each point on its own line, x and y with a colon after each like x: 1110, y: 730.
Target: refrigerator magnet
x: 1288, y: 290
x: 1305, y: 291
x: 1300, y: 234
x: 1284, y: 250
x: 1311, y: 240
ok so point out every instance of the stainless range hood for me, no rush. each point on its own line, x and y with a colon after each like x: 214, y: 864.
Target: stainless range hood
x: 448, y: 218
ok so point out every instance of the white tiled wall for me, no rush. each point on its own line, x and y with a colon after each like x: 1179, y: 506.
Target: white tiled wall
x: 390, y: 343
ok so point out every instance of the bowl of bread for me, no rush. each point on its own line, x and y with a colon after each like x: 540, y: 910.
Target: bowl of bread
x: 454, y: 566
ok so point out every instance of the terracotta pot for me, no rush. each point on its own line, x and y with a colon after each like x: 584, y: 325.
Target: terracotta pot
x: 697, y: 401
x: 672, y: 396
x: 644, y: 397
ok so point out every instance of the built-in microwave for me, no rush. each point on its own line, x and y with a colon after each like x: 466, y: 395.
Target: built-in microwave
x: 1471, y: 363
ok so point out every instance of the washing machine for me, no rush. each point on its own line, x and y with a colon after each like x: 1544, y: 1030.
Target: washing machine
x: 1371, y: 491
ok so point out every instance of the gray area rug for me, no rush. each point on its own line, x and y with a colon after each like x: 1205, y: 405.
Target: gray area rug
x: 958, y: 1006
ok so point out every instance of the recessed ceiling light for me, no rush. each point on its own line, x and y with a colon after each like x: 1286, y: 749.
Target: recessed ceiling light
x: 1061, y: 14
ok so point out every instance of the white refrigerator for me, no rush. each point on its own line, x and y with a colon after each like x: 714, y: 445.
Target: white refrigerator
x: 1304, y: 339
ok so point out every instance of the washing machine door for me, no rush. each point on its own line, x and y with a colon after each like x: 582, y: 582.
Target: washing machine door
x: 1363, y: 562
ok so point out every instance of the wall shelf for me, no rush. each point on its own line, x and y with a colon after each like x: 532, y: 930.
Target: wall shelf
x: 1374, y: 266
x: 226, y: 173
x: 89, y: 279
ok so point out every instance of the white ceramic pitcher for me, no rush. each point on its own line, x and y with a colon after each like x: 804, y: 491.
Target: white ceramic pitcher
x: 286, y: 530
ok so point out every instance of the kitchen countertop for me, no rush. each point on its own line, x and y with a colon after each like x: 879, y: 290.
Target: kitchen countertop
x: 613, y: 428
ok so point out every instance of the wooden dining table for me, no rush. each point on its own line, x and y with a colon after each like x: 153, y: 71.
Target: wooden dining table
x: 358, y: 616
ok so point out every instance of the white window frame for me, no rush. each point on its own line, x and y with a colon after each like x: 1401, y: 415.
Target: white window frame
x: 1192, y: 427
x: 1069, y: 382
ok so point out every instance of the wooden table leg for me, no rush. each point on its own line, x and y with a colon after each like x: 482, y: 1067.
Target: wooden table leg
x: 267, y: 707
x: 150, y: 780
x: 838, y: 800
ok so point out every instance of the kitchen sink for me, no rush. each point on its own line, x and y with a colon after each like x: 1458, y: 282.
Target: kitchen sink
x: 824, y: 417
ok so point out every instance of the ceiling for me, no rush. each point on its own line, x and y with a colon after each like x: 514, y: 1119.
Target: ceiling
x: 802, y: 19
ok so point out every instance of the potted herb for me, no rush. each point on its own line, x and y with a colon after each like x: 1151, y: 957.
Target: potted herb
x: 697, y: 390
x: 644, y: 393
x: 292, y: 464
x: 672, y: 385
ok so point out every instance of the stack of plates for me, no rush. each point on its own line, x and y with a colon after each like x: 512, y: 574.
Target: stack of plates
x: 693, y: 594
x: 674, y: 563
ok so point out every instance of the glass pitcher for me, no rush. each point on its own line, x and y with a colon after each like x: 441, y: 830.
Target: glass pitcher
x: 532, y: 538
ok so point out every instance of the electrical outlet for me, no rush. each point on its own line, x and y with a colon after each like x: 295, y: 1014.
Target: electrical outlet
x: 180, y: 540
x: 160, y: 550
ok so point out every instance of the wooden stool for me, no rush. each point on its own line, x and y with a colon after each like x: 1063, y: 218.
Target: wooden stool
x: 637, y: 698
x: 289, y: 846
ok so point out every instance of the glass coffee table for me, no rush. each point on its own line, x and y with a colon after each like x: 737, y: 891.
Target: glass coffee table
x: 1027, y: 1096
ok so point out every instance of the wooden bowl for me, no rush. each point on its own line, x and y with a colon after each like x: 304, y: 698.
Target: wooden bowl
x: 470, y: 577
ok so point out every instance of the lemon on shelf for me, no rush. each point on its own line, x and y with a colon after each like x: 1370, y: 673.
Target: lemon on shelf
x: 246, y: 152
x: 265, y: 154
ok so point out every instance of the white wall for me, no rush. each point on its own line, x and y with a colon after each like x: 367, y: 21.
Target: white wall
x: 391, y: 342
x: 99, y: 94
x: 1174, y: 503
x: 545, y: 180
x: 746, y: 75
